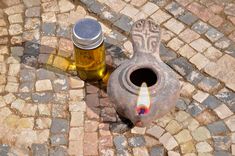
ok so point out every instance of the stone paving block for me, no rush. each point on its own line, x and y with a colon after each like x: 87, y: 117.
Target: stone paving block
x: 174, y: 25
x: 216, y: 21
x: 59, y: 126
x: 188, y: 147
x: 160, y: 16
x: 75, y: 147
x: 77, y: 119
x: 166, y: 54
x: 195, y: 77
x: 48, y: 29
x: 39, y: 150
x: 155, y: 131
x: 183, y: 136
x: 65, y: 6
x: 157, y: 151
x: 228, y: 98
x: 137, y: 141
x: 49, y: 17
x: 16, y: 18
x: 200, y: 96
x: 195, y: 109
x: 124, y: 23
x: 111, y: 16
x: 120, y: 142
x: 15, y: 29
x: 222, y: 142
x: 213, y: 34
x: 116, y: 5
x: 129, y: 10
x: 149, y: 8
x: 181, y: 65
x: 175, y: 44
x: 230, y: 123
x: 43, y: 85
x: 97, y: 7
x: 188, y: 35
x: 138, y: 130
x: 4, y: 149
x: 201, y: 134
x: 211, y: 102
x: 33, y: 12
x: 140, y: 151
x: 180, y: 104
x: 91, y: 143
x: 203, y: 147
x: 14, y: 9
x: 231, y: 50
x: 199, y: 60
x: 213, y: 54
x: 209, y: 84
x: 187, y: 51
x: 217, y: 128
x: 175, y: 9
x: 168, y: 141
x: 200, y: 45
x: 200, y: 27
x: 188, y: 18
x: 173, y: 127
x: 222, y: 43
x: 63, y: 31
x: 58, y: 139
x: 58, y: 151
x: 221, y: 153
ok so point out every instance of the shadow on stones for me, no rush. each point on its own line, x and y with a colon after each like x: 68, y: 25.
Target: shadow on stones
x: 100, y: 107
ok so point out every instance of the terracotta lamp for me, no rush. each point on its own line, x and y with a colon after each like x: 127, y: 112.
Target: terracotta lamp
x: 144, y: 88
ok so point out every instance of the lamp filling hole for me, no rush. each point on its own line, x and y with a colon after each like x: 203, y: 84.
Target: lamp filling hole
x: 142, y: 75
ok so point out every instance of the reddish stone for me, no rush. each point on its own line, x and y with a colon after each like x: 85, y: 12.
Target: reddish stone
x: 105, y: 141
x: 216, y: 8
x: 65, y: 47
x: 201, y: 11
x: 90, y: 89
x: 105, y: 102
x: 227, y: 27
x: 91, y: 126
x: 93, y: 113
x: 232, y: 19
x: 90, y: 146
x: 92, y: 100
x: 206, y: 117
x: 232, y: 36
x: 184, y: 2
x: 216, y: 21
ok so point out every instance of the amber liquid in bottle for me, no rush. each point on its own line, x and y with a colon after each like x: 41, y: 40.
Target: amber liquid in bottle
x: 90, y: 63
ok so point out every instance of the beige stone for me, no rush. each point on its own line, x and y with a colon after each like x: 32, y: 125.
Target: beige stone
x: 201, y: 134
x: 189, y: 35
x: 75, y: 147
x: 224, y: 70
x: 43, y: 123
x: 223, y: 111
x: 140, y: 151
x: 200, y: 45
x: 44, y: 109
x: 76, y: 82
x: 213, y: 54
x: 77, y: 119
x: 199, y: 60
x: 149, y: 8
x: 183, y: 136
x: 174, y: 25
x: 43, y: 85
x: 116, y: 5
x: 76, y: 95
x: 65, y: 6
x: 200, y: 96
x: 187, y: 51
x: 129, y: 10
x: 76, y: 134
x: 16, y: 18
x: 160, y: 16
x: 187, y: 147
x: 173, y: 127
x: 168, y: 141
x: 175, y: 44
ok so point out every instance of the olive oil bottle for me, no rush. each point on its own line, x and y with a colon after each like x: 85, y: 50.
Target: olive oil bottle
x: 89, y: 50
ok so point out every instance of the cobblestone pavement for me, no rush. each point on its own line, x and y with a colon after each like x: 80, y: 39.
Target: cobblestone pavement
x: 46, y: 110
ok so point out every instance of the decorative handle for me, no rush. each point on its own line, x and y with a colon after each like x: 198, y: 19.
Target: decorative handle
x: 146, y: 37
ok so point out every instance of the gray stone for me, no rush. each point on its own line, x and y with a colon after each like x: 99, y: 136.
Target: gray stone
x: 24, y: 96
x: 160, y: 3
x: 39, y: 150
x: 43, y: 97
x: 58, y: 151
x: 27, y: 75
x: 45, y: 74
x: 166, y: 54
x: 213, y: 35
x: 181, y: 105
x: 211, y: 102
x: 17, y: 51
x: 175, y: 9
x: 120, y: 142
x: 26, y: 87
x: 33, y: 12
x: 222, y: 142
x: 31, y: 48
x: 63, y: 31
x: 195, y: 108
x: 209, y: 84
x: 59, y: 125
x: 58, y: 139
x: 200, y: 27
x: 30, y: 3
x: 223, y: 43
x: 4, y: 149
x: 195, y: 77
x: 228, y: 98
x: 222, y: 153
x: 97, y: 7
x: 123, y: 153
x: 181, y: 65
x: 87, y: 2
x: 217, y: 128
x: 231, y: 50
x: 124, y: 23
x: 29, y: 60
x: 60, y: 84
x: 59, y: 110
x: 110, y: 16
x: 157, y: 151
x: 137, y: 141
x: 48, y: 29
x: 117, y: 36
x: 188, y: 18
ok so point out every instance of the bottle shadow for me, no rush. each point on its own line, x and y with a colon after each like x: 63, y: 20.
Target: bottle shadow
x: 47, y: 59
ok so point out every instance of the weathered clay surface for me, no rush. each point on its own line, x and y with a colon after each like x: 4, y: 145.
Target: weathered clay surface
x: 146, y: 37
